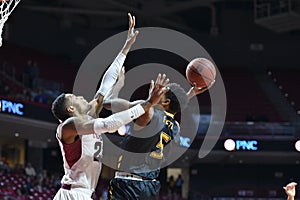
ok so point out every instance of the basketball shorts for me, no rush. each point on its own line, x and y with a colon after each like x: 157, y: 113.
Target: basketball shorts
x: 128, y: 189
x: 73, y: 194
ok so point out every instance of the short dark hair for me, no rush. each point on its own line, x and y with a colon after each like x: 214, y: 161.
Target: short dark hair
x: 178, y: 97
x: 59, y: 108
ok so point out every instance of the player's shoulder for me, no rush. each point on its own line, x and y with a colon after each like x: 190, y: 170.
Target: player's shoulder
x: 70, y: 120
x: 158, y: 114
x: 70, y: 123
x: 158, y: 111
x: 68, y: 127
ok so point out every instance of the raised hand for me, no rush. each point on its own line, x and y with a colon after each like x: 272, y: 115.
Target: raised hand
x: 131, y: 35
x: 290, y: 190
x: 198, y: 90
x: 158, y: 89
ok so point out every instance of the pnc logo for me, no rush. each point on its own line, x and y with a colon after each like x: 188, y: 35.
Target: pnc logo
x: 241, y: 145
x: 11, y: 107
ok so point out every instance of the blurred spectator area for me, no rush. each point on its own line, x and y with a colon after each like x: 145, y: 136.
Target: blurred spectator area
x: 246, y: 101
x: 32, y: 76
x: 17, y: 185
x: 287, y: 82
x: 54, y: 73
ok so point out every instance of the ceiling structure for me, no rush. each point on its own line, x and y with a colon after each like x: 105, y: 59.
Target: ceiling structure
x: 103, y: 14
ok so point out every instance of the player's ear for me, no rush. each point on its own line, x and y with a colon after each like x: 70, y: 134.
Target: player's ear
x: 166, y: 102
x: 70, y: 109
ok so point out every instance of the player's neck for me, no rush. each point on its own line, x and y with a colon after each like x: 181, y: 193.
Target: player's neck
x: 81, y: 116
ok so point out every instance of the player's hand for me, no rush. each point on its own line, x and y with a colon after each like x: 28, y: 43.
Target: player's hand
x: 131, y: 35
x: 158, y: 89
x: 290, y: 190
x: 198, y: 90
x: 195, y: 91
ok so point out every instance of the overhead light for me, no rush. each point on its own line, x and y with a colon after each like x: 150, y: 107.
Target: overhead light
x: 17, y: 134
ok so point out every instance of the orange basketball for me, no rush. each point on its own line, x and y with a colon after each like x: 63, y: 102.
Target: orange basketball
x: 201, y: 71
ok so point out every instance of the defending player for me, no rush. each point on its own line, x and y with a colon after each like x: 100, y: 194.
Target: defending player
x: 81, y: 147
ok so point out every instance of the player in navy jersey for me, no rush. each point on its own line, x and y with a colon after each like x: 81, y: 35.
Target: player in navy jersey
x: 152, y: 135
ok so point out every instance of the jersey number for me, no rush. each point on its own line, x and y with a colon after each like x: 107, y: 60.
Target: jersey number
x: 158, y: 154
x: 99, y: 150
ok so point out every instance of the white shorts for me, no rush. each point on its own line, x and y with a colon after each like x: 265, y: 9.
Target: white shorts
x: 73, y: 194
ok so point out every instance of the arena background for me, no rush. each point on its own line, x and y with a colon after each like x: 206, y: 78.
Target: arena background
x: 255, y: 44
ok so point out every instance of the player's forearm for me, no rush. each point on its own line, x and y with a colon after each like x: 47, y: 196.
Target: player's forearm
x: 126, y: 48
x: 74, y: 126
x: 290, y: 198
x: 115, y: 121
x: 190, y: 94
x: 146, y: 106
x: 116, y: 105
x: 111, y: 75
x: 143, y: 120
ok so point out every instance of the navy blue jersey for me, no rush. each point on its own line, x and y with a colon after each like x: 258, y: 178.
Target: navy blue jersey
x: 154, y: 141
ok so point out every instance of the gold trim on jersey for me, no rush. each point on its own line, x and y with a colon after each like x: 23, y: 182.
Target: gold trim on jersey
x: 169, y: 114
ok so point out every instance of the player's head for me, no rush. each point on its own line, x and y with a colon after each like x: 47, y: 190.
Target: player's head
x: 175, y: 99
x: 67, y: 105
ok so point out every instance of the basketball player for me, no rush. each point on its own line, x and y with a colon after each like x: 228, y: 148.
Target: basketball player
x: 81, y: 143
x: 79, y: 133
x: 290, y: 190
x: 135, y: 178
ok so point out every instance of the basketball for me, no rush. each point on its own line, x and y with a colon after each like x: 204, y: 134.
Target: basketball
x: 202, y: 72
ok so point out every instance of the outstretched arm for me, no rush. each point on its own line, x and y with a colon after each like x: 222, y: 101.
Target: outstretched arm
x: 112, y: 73
x: 76, y: 126
x: 118, y: 104
x: 290, y: 190
x: 146, y: 118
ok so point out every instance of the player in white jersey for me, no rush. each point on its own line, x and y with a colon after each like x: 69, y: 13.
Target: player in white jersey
x: 79, y: 132
x: 80, y: 140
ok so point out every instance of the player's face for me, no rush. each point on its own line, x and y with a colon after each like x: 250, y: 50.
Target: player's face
x: 78, y: 102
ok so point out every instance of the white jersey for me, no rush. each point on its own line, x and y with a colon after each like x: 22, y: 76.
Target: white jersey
x: 83, y: 175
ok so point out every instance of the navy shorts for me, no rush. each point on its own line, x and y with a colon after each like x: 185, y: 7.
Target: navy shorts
x: 126, y: 189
